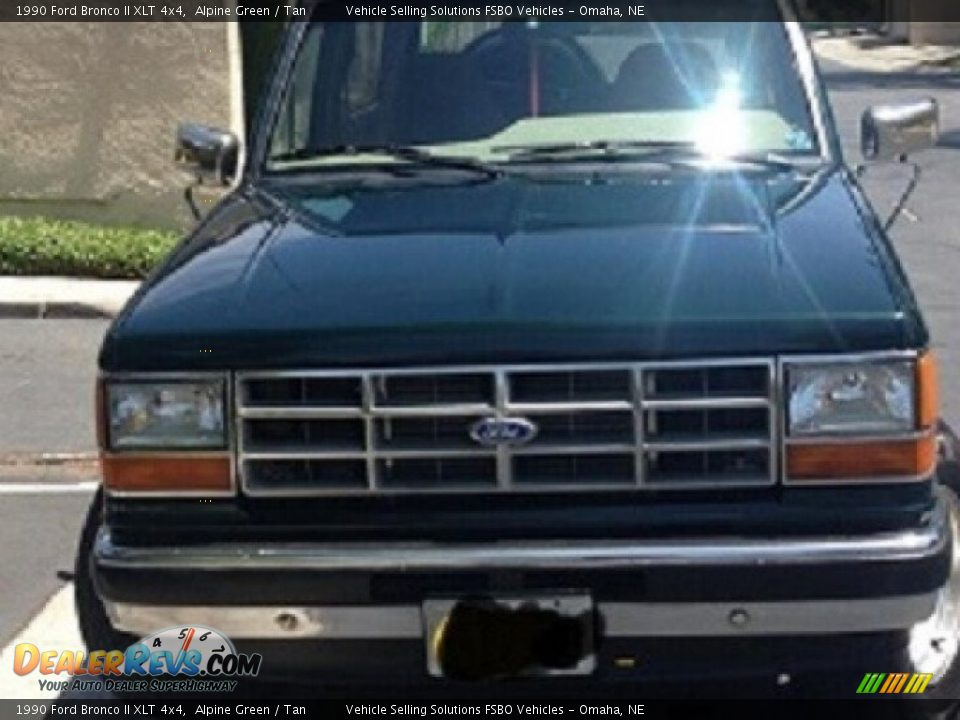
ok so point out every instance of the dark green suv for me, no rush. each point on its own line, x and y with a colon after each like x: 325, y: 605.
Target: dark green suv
x: 563, y: 350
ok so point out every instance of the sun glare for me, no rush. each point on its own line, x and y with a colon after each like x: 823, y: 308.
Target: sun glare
x: 720, y: 132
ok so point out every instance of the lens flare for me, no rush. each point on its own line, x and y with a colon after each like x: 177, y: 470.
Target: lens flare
x: 721, y: 133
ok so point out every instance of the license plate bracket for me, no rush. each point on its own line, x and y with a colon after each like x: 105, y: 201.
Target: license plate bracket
x: 491, y: 637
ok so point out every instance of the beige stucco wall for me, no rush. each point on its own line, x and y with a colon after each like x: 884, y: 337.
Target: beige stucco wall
x: 934, y: 33
x: 88, y: 113
x: 923, y: 28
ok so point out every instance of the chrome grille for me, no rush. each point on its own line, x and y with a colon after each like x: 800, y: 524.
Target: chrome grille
x: 630, y: 426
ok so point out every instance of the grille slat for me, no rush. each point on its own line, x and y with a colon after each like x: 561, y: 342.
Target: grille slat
x: 727, y: 403
x: 733, y: 443
x: 290, y: 412
x: 632, y: 426
x: 433, y: 411
x: 607, y: 449
x: 569, y: 407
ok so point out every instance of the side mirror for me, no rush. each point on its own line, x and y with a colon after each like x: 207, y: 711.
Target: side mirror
x: 892, y: 132
x: 207, y: 153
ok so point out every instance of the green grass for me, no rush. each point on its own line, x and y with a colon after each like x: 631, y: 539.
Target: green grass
x: 40, y: 246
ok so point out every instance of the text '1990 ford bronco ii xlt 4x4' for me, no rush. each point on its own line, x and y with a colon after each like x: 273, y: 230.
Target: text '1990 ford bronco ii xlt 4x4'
x: 569, y: 351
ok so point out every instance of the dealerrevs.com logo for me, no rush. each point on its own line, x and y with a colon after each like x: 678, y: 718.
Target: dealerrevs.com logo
x: 181, y: 659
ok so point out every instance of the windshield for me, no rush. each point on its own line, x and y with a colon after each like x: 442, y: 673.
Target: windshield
x: 494, y: 92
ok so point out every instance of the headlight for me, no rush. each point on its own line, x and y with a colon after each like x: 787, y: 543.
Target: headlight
x: 869, y: 421
x: 860, y: 399
x: 166, y: 415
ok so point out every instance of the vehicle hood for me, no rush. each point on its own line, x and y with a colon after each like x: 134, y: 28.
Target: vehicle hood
x: 678, y: 265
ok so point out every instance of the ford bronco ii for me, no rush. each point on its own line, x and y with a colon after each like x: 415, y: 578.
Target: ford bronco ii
x: 561, y: 350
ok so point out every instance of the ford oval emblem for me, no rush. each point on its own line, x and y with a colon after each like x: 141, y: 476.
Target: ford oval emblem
x: 503, y: 431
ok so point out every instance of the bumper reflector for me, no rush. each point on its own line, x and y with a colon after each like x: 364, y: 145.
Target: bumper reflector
x: 868, y: 461
x: 173, y: 475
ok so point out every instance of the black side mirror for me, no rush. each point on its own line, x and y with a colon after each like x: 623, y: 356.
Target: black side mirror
x: 207, y: 153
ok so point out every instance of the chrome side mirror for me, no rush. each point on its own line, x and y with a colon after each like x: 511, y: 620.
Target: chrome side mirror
x: 209, y: 154
x: 892, y: 132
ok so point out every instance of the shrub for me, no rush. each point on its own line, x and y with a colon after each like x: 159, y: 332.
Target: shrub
x: 40, y: 246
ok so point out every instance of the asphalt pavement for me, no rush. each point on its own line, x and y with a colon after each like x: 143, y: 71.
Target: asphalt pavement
x: 38, y: 537
x: 48, y: 371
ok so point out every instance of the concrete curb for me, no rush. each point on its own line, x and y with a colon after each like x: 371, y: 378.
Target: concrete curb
x: 870, y: 54
x: 37, y: 298
x: 47, y: 458
x: 52, y: 311
x: 53, y: 469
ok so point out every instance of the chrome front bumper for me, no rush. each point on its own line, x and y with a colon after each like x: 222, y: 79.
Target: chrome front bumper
x: 625, y: 619
x: 914, y: 543
x: 406, y: 622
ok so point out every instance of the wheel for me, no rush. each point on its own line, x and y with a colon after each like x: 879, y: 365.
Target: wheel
x: 92, y: 618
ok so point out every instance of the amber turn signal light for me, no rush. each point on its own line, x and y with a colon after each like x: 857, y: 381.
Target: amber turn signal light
x: 869, y: 460
x: 173, y: 475
x: 928, y: 391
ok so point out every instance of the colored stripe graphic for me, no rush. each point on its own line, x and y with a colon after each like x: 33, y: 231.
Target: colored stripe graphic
x: 889, y: 683
x: 909, y: 687
x: 894, y: 683
x: 918, y: 683
x: 864, y: 684
x: 901, y: 683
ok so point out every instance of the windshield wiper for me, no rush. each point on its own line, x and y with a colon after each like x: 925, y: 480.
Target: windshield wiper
x: 407, y: 153
x: 772, y: 160
x: 645, y: 150
x: 592, y: 149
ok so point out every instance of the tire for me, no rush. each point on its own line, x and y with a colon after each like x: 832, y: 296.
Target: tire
x: 92, y: 618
